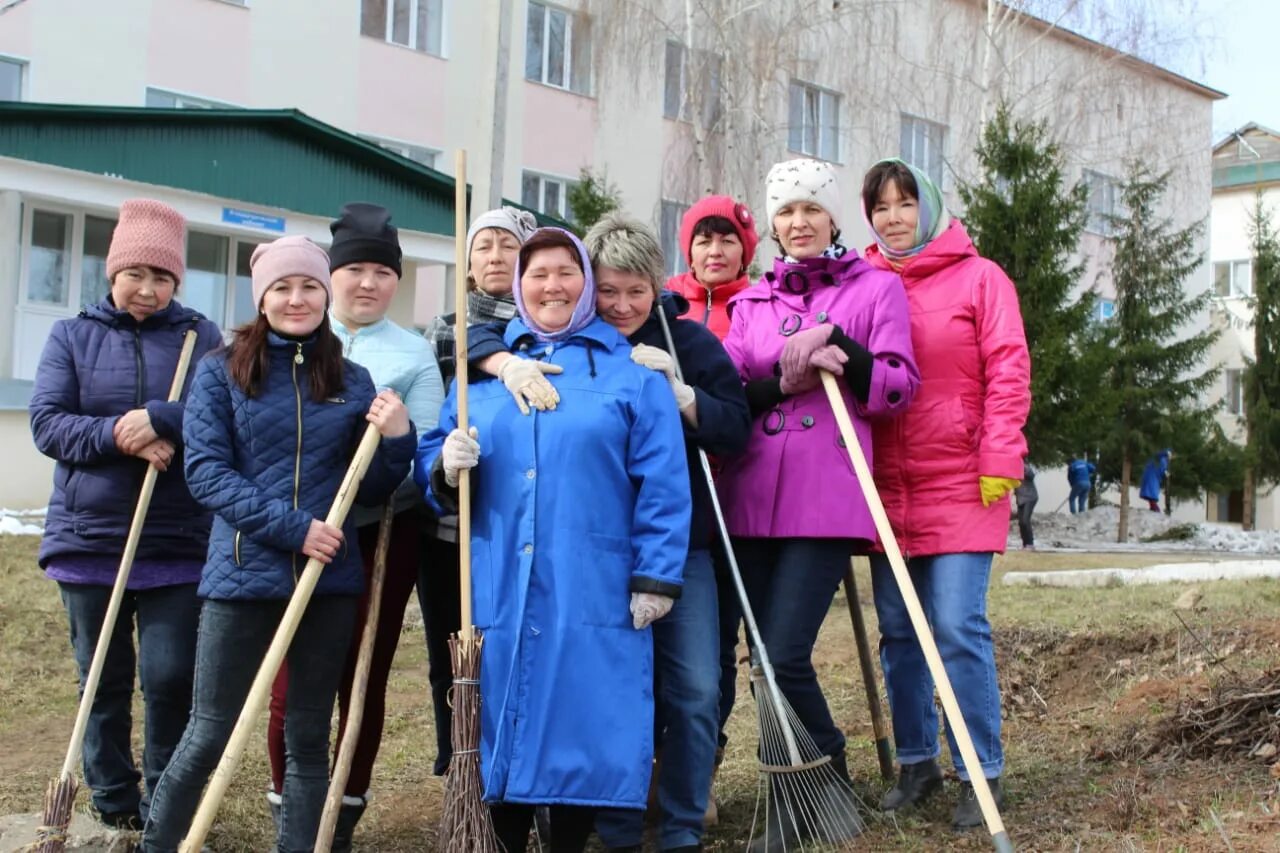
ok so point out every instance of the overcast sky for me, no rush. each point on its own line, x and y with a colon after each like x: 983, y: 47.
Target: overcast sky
x: 1241, y: 61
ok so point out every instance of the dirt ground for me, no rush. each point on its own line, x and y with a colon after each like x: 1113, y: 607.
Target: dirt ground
x: 1085, y: 675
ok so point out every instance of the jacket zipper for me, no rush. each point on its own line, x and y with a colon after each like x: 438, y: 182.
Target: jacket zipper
x: 138, y: 386
x: 297, y: 453
x: 237, y: 549
x: 706, y: 317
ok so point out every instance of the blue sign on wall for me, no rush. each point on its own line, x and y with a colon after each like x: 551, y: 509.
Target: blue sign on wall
x: 235, y: 216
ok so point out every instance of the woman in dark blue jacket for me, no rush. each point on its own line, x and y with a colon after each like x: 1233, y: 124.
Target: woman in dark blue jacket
x: 713, y: 407
x: 270, y: 430
x: 100, y: 410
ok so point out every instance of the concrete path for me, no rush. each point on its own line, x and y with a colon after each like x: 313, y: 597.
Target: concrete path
x: 1164, y: 573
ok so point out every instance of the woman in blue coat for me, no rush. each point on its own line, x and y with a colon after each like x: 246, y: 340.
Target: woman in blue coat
x: 100, y: 409
x: 581, y: 528
x: 270, y: 430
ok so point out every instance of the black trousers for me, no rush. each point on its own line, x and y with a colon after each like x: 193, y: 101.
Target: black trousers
x: 570, y: 826
x: 1025, y: 508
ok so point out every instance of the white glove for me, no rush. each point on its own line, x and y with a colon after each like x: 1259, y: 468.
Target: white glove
x: 649, y: 607
x: 460, y: 452
x: 661, y: 361
x: 526, y: 381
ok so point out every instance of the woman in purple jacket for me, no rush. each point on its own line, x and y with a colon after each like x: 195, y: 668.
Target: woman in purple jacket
x: 100, y: 410
x: 792, y: 501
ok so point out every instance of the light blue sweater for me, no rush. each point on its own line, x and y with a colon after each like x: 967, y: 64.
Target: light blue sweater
x: 402, y: 361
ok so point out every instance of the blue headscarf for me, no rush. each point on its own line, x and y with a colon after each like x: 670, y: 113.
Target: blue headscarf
x: 583, y: 313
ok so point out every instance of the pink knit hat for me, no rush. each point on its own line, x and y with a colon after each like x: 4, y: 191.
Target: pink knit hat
x: 285, y: 257
x: 150, y: 233
x: 739, y: 216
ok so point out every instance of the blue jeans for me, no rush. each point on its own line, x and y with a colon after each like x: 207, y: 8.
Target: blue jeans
x: 686, y: 647
x: 234, y: 636
x: 1078, y: 499
x: 167, y: 617
x: 790, y: 585
x: 953, y: 593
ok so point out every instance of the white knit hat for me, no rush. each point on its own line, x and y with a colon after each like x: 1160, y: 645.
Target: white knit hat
x: 802, y: 180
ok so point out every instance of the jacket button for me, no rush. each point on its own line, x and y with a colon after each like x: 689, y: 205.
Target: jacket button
x: 529, y: 474
x: 528, y: 549
x: 806, y: 421
x: 893, y: 362
x: 894, y: 397
x: 822, y: 316
x: 840, y: 441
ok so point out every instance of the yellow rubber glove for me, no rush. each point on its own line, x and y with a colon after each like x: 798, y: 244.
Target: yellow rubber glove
x: 994, y: 488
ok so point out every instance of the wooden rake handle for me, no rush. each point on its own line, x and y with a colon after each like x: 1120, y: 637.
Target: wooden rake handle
x: 883, y: 751
x: 122, y: 576
x: 260, y: 691
x: 359, y: 685
x: 990, y: 813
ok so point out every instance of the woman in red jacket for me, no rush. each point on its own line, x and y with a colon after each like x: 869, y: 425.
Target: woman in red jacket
x: 944, y: 471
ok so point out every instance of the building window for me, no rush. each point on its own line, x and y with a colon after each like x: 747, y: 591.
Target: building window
x: 1234, y: 400
x: 922, y: 145
x: 12, y: 73
x: 684, y: 87
x: 173, y: 100
x: 557, y: 48
x: 416, y: 24
x: 1233, y: 278
x: 1103, y: 310
x: 669, y: 233
x: 545, y: 194
x: 93, y: 262
x: 1103, y: 203
x: 49, y: 259
x: 813, y: 122
x: 417, y: 153
x: 205, y: 285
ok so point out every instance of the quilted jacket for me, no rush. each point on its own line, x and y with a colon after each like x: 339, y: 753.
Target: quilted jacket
x: 267, y: 465
x: 94, y: 368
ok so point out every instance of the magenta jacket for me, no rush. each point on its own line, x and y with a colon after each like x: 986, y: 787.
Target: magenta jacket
x: 967, y: 419
x: 795, y: 478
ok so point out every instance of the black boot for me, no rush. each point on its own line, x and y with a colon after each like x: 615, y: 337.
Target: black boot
x: 345, y: 829
x: 842, y: 821
x: 915, y: 783
x: 968, y: 814
x: 779, y: 832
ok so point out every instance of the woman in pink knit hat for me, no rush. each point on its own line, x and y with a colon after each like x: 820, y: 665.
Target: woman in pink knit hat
x: 100, y: 410
x: 270, y: 430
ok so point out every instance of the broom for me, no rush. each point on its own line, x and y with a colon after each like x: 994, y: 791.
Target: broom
x: 359, y: 686
x: 260, y: 691
x: 465, y: 824
x: 990, y: 813
x: 60, y: 797
x: 805, y: 796
x: 883, y: 751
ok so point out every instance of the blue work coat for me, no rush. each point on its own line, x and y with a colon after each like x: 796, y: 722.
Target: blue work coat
x: 572, y: 511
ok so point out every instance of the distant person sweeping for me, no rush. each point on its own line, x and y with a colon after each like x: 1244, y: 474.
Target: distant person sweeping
x: 1155, y: 476
x: 1080, y: 474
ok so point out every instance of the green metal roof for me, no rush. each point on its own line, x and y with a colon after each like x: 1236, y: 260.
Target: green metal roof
x: 276, y: 158
x: 1226, y: 177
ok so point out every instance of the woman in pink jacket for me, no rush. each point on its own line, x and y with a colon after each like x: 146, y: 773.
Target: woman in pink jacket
x: 792, y: 501
x: 945, y: 470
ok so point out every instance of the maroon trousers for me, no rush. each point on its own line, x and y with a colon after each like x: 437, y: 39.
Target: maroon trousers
x: 402, y: 573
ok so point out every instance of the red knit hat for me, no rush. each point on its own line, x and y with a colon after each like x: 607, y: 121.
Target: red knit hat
x: 150, y: 233
x: 739, y: 215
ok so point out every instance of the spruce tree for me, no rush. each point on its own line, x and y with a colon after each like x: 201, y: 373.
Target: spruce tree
x: 1157, y: 373
x: 1262, y: 374
x: 1022, y: 214
x: 591, y: 198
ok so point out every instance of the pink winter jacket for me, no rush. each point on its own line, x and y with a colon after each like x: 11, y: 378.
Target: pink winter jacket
x: 967, y: 417
x: 795, y: 478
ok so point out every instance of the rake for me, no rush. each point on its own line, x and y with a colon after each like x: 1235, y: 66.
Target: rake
x: 808, y: 803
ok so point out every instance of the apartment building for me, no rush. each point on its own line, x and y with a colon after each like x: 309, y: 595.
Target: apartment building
x: 667, y: 99
x: 1246, y: 166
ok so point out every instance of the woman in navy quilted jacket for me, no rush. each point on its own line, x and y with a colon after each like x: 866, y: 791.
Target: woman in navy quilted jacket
x: 270, y: 430
x: 100, y: 410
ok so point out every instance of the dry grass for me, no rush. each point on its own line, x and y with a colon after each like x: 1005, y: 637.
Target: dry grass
x: 1079, y: 668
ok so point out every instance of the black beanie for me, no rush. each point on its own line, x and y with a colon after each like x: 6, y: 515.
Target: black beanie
x: 363, y: 233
